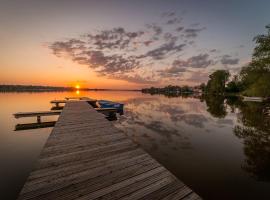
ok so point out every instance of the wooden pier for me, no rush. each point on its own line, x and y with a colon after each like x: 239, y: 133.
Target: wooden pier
x: 86, y: 157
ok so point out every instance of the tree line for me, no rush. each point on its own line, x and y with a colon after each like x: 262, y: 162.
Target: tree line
x: 32, y: 88
x: 168, y: 89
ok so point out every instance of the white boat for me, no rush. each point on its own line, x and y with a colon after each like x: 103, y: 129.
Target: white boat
x: 256, y: 99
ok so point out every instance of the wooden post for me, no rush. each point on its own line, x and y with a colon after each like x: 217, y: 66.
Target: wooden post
x: 112, y: 115
x: 38, y: 119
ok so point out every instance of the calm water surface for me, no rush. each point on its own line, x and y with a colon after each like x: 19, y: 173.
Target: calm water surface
x: 219, y: 147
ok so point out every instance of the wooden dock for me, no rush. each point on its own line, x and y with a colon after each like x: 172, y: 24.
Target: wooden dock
x: 86, y: 157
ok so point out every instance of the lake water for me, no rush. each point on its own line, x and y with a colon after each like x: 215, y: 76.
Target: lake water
x: 219, y: 147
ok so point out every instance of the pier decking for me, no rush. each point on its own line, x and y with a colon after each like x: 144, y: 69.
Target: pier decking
x: 86, y: 157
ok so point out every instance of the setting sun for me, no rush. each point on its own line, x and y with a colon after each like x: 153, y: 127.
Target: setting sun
x: 77, y: 86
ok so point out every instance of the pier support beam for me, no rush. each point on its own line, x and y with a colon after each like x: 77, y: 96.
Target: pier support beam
x: 39, y: 119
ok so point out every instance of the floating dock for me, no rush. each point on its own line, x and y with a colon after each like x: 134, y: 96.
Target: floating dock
x: 86, y: 157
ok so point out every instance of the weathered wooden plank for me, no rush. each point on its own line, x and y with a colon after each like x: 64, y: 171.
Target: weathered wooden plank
x: 163, y: 191
x: 87, y: 184
x: 179, y: 194
x: 86, y: 157
x: 83, y: 145
x: 149, y: 189
x: 136, y: 186
x: 59, y: 140
x: 121, y: 184
x: 64, y: 178
x: 85, y: 154
x: 92, y: 162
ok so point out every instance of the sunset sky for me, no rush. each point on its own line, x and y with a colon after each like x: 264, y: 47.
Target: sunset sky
x: 125, y: 44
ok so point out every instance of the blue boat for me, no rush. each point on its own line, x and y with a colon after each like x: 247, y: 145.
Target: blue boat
x: 111, y: 104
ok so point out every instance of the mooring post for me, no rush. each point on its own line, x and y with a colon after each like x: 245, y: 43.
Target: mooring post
x: 38, y: 119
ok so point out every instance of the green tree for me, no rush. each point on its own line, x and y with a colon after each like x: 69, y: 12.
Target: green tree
x: 234, y: 86
x: 202, y: 86
x: 261, y: 54
x: 256, y: 75
x: 217, y: 82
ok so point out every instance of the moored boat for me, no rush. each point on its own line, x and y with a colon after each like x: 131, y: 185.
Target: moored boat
x: 111, y: 104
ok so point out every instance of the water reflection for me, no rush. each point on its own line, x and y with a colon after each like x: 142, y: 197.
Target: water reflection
x: 254, y: 129
x: 215, y: 105
x: 161, y: 121
x: 219, y: 146
x: 227, y: 138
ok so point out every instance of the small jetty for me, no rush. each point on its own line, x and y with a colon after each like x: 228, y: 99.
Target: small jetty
x: 38, y: 114
x: 86, y: 157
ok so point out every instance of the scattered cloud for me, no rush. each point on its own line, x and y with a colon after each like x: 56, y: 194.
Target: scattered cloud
x: 121, y: 54
x: 180, y: 66
x: 192, y: 32
x: 213, y: 51
x: 164, y: 50
x: 133, y: 78
x: 179, y: 29
x: 155, y: 28
x: 229, y: 60
x: 168, y: 14
x: 199, y: 61
x: 117, y: 38
x: 198, y: 77
x: 173, y: 21
x: 173, y: 71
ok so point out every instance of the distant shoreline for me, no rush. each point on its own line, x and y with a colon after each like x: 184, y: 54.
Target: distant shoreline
x: 38, y: 88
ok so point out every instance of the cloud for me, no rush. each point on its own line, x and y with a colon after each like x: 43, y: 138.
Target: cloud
x: 117, y: 38
x: 179, y: 29
x: 192, y: 32
x: 171, y: 18
x: 118, y: 64
x: 120, y: 54
x: 199, y: 61
x: 95, y: 59
x: 179, y: 66
x: 148, y: 42
x: 173, y: 71
x: 169, y: 37
x: 173, y: 21
x: 159, y: 53
x: 162, y: 51
x: 155, y: 28
x: 168, y: 14
x: 213, y: 50
x: 133, y: 78
x: 228, y: 60
x: 199, y: 77
x: 67, y: 47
